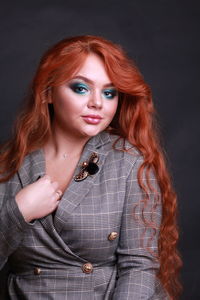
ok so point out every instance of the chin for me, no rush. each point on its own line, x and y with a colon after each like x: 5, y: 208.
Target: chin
x: 91, y: 133
x: 92, y: 130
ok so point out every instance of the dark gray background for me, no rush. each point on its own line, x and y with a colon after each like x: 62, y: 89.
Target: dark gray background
x: 163, y: 38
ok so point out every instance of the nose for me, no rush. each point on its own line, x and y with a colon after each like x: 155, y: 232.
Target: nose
x: 95, y: 100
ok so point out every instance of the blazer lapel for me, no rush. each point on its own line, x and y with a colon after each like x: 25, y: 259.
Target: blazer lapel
x: 32, y: 168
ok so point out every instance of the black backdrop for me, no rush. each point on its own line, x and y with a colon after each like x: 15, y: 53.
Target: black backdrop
x: 163, y: 38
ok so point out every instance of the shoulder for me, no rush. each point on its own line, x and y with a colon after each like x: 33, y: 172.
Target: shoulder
x: 122, y: 154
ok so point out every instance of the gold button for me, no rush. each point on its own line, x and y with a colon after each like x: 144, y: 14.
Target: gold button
x: 112, y: 236
x: 37, y: 271
x: 87, y: 268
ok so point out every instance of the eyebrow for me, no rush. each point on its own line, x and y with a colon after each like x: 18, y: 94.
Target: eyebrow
x: 110, y: 84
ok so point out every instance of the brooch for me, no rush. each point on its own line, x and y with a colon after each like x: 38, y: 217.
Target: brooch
x: 89, y: 167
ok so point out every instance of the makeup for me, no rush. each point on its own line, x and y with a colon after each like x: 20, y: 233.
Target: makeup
x: 92, y: 119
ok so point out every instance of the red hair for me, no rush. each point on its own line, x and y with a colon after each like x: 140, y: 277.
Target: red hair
x: 134, y: 120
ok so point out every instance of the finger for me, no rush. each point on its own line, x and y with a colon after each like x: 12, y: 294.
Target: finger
x: 58, y: 194
x: 54, y: 185
x: 56, y: 204
x: 46, y: 177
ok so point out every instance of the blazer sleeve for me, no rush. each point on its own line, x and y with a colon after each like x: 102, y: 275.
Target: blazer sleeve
x: 12, y: 223
x: 137, y: 267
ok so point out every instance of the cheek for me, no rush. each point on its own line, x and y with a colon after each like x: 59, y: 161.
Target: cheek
x: 69, y: 105
x: 112, y: 108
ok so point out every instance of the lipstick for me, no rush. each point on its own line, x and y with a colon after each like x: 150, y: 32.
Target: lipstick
x: 92, y: 119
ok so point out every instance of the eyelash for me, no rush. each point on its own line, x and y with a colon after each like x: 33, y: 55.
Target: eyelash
x: 112, y: 94
x: 78, y: 88
x: 82, y: 89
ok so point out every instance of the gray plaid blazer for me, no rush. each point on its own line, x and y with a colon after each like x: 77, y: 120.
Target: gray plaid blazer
x: 90, y: 248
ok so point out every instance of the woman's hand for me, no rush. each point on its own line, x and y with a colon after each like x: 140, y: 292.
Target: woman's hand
x: 38, y: 199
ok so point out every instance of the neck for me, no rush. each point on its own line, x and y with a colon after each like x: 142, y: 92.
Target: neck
x: 61, y: 145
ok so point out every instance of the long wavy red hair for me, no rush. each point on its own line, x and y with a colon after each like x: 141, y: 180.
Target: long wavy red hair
x: 134, y: 120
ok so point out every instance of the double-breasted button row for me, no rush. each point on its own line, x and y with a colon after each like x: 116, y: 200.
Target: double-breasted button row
x: 87, y: 268
x: 112, y: 236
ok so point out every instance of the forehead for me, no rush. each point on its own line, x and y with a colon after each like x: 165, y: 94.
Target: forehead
x: 93, y: 68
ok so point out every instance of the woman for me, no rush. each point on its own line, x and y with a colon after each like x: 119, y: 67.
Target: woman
x: 87, y: 207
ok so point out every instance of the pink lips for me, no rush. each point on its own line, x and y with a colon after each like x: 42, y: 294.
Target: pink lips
x: 92, y: 119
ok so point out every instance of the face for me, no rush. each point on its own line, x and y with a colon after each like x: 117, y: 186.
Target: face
x: 86, y: 104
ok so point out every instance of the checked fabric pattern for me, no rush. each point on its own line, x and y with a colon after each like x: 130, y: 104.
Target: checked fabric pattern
x: 90, y: 249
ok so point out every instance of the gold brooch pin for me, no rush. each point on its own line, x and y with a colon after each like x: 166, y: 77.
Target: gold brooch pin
x: 89, y: 167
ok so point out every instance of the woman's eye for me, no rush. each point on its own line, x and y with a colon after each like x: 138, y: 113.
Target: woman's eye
x: 79, y: 88
x: 109, y: 94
